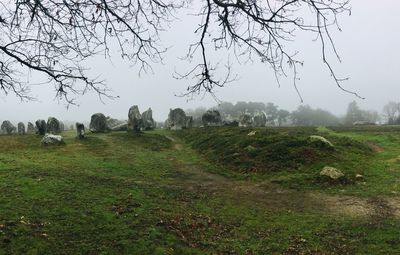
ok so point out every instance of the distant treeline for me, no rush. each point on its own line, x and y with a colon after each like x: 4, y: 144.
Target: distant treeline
x: 304, y: 115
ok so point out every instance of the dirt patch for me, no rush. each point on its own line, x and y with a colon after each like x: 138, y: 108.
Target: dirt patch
x: 344, y: 205
x: 394, y: 203
x: 178, y: 146
x: 272, y: 196
x: 374, y: 147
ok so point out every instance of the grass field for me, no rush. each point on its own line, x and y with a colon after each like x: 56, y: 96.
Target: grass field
x: 214, y: 191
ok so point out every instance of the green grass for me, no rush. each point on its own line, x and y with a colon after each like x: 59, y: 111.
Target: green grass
x: 118, y: 193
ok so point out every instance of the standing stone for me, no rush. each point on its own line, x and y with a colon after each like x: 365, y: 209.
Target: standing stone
x: 260, y: 120
x: 80, y: 130
x: 7, y: 127
x: 41, y: 127
x: 135, y: 120
x: 148, y: 121
x: 245, y: 120
x: 211, y: 118
x: 53, y: 126
x: 98, y: 123
x: 177, y: 120
x: 189, y: 122
x: 21, y: 128
x: 31, y: 128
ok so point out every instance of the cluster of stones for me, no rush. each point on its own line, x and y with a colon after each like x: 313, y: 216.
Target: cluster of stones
x: 178, y: 120
x: 41, y: 127
x: 50, y: 129
x: 258, y: 120
x: 137, y: 122
x: 213, y: 118
x: 140, y: 122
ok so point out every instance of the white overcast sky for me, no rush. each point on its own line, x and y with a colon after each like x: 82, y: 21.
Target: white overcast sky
x: 369, y: 46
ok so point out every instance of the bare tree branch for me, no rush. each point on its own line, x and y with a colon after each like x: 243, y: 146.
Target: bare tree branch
x: 56, y: 37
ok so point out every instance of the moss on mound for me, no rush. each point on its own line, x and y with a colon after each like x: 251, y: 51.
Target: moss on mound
x: 269, y: 149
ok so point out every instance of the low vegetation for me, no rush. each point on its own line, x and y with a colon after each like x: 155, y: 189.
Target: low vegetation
x: 224, y: 191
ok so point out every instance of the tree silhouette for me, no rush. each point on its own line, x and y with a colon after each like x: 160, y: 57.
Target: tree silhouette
x: 54, y: 38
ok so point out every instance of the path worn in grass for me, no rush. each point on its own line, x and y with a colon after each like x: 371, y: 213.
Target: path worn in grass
x: 123, y: 194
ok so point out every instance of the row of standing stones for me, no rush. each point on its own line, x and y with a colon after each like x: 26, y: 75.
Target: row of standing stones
x: 50, y: 129
x: 137, y: 122
x: 52, y: 126
x: 177, y: 119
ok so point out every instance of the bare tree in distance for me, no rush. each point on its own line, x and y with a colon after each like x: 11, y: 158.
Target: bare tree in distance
x: 54, y: 38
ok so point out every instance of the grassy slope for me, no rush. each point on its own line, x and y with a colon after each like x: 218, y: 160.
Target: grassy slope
x: 285, y: 156
x: 122, y: 194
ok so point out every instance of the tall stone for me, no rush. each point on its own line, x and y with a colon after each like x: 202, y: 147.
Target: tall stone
x: 80, y: 130
x: 31, y: 128
x: 135, y: 120
x: 211, y: 118
x: 148, y: 121
x: 260, y: 120
x: 7, y: 127
x: 41, y: 127
x: 53, y: 126
x: 189, y: 122
x: 98, y: 123
x: 21, y: 128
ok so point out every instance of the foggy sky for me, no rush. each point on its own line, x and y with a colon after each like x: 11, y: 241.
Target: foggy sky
x: 368, y: 45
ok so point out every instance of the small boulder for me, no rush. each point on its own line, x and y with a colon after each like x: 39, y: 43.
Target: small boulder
x: 7, y: 127
x: 135, y: 120
x: 80, y: 130
x: 211, y: 118
x: 50, y: 139
x: 31, y: 128
x: 359, y: 177
x: 21, y: 128
x: 98, y: 123
x: 321, y: 141
x: 53, y: 126
x: 331, y: 172
x: 252, y: 133
x: 41, y: 127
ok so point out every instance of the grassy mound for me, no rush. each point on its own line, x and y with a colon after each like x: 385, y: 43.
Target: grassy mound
x: 271, y: 149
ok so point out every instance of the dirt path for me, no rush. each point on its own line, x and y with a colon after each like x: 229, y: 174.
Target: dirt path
x: 270, y: 195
